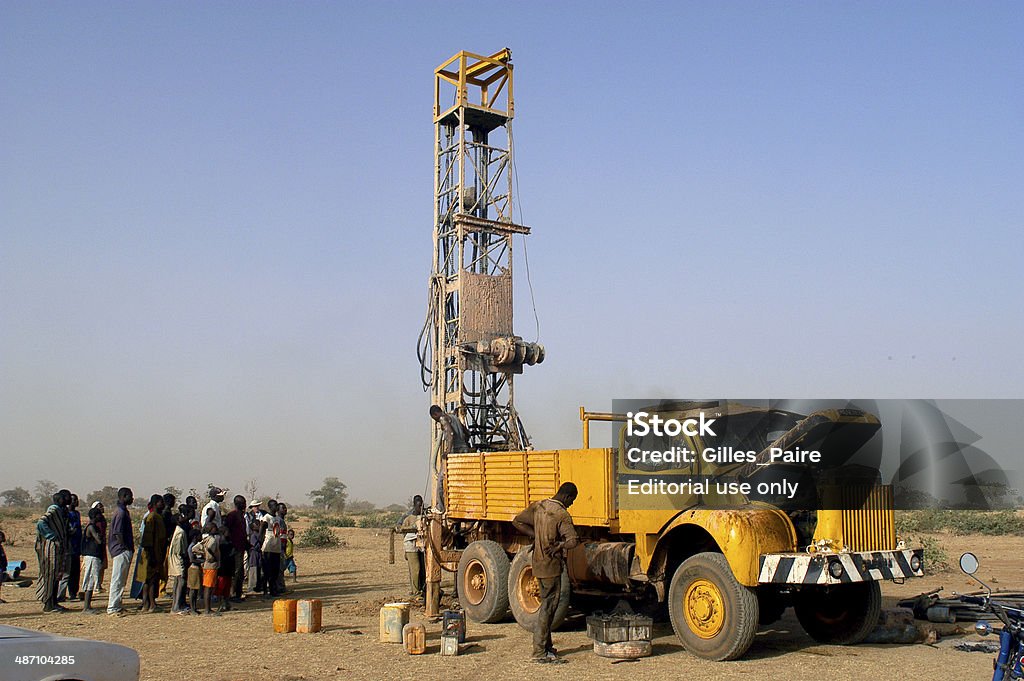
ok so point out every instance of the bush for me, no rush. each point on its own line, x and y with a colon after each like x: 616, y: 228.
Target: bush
x: 960, y: 522
x: 336, y: 521
x: 380, y: 520
x: 18, y: 513
x: 318, y: 536
x: 935, y: 557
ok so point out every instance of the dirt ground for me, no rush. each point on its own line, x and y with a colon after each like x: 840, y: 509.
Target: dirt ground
x: 355, y: 579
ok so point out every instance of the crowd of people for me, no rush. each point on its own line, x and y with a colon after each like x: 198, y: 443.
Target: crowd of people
x: 197, y: 557
x: 201, y: 557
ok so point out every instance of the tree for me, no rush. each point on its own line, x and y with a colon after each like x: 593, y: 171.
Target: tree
x: 358, y: 506
x: 176, y: 491
x: 330, y: 497
x: 106, y: 496
x: 251, y: 488
x: 19, y: 496
x: 45, y: 489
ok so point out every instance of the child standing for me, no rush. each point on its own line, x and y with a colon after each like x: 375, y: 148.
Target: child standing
x: 289, y: 556
x: 177, y: 562
x: 101, y: 527
x: 225, y: 571
x: 195, y: 570
x: 210, y: 548
x: 92, y: 560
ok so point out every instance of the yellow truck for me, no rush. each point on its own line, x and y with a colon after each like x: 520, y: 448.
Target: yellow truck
x: 720, y: 567
x: 719, y: 563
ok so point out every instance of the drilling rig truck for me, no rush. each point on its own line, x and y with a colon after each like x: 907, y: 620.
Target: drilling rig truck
x: 719, y: 570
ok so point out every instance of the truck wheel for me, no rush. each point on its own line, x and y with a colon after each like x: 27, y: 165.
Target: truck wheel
x: 841, y: 615
x: 714, y: 616
x: 482, y: 581
x: 523, y: 593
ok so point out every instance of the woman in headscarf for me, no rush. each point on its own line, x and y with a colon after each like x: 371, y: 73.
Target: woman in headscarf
x: 51, y: 550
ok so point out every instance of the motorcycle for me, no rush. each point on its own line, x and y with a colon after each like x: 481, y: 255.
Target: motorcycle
x: 1007, y: 664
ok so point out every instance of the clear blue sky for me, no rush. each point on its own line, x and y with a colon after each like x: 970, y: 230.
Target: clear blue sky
x: 215, y: 221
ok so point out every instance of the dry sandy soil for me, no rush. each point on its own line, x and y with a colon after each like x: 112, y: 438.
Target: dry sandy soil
x: 355, y: 579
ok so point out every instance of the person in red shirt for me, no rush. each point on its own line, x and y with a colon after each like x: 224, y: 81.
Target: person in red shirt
x: 239, y: 539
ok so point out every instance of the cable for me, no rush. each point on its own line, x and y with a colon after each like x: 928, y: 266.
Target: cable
x: 526, y: 253
x: 424, y: 343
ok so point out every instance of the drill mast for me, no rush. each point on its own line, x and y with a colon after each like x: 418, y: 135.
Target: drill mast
x: 475, y: 353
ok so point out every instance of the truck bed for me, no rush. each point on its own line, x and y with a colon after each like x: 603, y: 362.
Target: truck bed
x: 498, y: 485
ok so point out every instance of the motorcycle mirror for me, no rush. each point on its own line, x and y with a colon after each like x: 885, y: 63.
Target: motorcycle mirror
x: 969, y: 563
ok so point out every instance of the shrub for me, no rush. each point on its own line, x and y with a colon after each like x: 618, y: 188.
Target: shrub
x: 17, y: 513
x: 960, y: 522
x: 994, y: 523
x: 318, y: 536
x: 380, y: 519
x: 336, y: 521
x: 360, y: 507
x: 935, y: 557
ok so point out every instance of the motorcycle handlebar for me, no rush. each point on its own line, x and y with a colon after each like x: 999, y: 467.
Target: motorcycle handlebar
x: 1005, y: 613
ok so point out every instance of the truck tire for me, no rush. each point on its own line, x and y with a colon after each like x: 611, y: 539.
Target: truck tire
x: 483, y: 581
x: 714, y: 616
x: 522, y: 592
x: 840, y: 615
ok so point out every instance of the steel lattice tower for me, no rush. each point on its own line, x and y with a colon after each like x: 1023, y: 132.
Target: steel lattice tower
x: 475, y: 353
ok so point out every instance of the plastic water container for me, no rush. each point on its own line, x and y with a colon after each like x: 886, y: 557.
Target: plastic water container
x: 449, y: 645
x: 414, y: 638
x: 393, y: 618
x: 284, y: 615
x: 454, y: 624
x: 308, y: 616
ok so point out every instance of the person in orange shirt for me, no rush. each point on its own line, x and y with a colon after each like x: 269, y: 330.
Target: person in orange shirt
x: 209, y: 546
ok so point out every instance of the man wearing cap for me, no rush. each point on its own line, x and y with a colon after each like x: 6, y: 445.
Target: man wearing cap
x: 255, y: 558
x: 216, y: 496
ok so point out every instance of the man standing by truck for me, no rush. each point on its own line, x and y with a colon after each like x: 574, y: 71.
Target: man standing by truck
x: 413, y: 554
x: 550, y: 526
